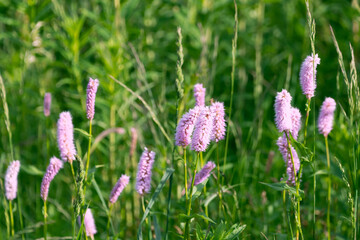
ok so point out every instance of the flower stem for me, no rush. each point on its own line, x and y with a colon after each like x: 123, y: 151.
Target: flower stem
x: 186, y: 180
x: 307, y: 118
x: 206, y: 208
x: 329, y: 189
x: 11, y: 219
x: 187, y: 231
x: 88, y: 154
x: 218, y: 180
x: 297, y: 184
x: 109, y: 219
x: 45, y: 220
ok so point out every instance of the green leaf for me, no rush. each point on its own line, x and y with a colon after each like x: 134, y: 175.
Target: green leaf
x: 32, y: 170
x: 157, y: 228
x: 306, y: 154
x: 203, y: 216
x: 86, y: 134
x: 281, y: 186
x: 158, y: 189
x: 197, y: 190
x: 235, y: 231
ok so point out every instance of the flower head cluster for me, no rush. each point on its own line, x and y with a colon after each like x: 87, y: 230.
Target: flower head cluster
x: 219, y: 125
x: 51, y: 171
x: 90, y: 97
x: 143, y: 178
x: 199, y: 94
x: 326, y: 117
x: 65, y: 137
x: 11, y: 181
x: 204, y: 173
x: 186, y: 126
x: 89, y: 224
x: 283, y: 111
x: 308, y: 75
x: 118, y: 188
x: 284, y: 149
x: 203, y: 130
x: 47, y: 104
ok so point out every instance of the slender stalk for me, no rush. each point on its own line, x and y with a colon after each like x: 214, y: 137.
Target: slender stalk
x: 314, y: 209
x: 186, y: 180
x: 307, y: 118
x: 329, y: 189
x: 45, y: 220
x: 218, y: 180
x: 187, y: 224
x: 206, y: 208
x: 109, y: 219
x: 11, y: 219
x: 234, y: 43
x: 88, y: 154
x: 297, y: 183
x: 73, y: 174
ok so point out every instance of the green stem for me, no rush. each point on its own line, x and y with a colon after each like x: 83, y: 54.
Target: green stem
x: 233, y: 53
x: 109, y: 219
x: 11, y: 219
x: 186, y: 180
x: 218, y: 180
x: 187, y: 224
x: 206, y: 208
x: 329, y: 188
x: 307, y: 118
x: 45, y: 220
x: 88, y: 154
x: 297, y: 183
x: 314, y: 210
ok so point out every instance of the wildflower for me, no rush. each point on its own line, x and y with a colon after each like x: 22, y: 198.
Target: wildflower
x: 89, y: 224
x: 308, y: 75
x: 65, y: 137
x: 90, y: 97
x: 203, y: 129
x: 199, y: 94
x: 51, y: 171
x: 219, y: 125
x: 295, y: 122
x: 118, y: 188
x: 143, y: 178
x: 47, y: 104
x: 11, y: 181
x: 185, y: 127
x: 283, y: 111
x: 204, y: 173
x: 284, y: 149
x: 326, y: 117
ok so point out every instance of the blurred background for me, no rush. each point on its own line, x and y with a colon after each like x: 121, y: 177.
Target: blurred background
x: 55, y: 46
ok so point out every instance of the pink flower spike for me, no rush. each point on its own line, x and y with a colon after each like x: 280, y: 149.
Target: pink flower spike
x: 284, y: 149
x: 51, y: 171
x: 90, y: 97
x: 296, y: 122
x: 204, y: 173
x: 308, y: 75
x: 199, y: 94
x: 143, y: 178
x: 47, y: 104
x: 283, y: 111
x: 203, y: 129
x: 89, y: 224
x: 326, y: 117
x: 219, y: 125
x: 65, y: 137
x: 11, y: 180
x: 119, y: 187
x: 185, y: 127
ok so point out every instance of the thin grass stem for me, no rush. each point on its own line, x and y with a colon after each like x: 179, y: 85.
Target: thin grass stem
x: 11, y: 219
x: 329, y: 189
x: 45, y: 220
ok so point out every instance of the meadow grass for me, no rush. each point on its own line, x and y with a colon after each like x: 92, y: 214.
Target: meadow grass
x: 148, y: 55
